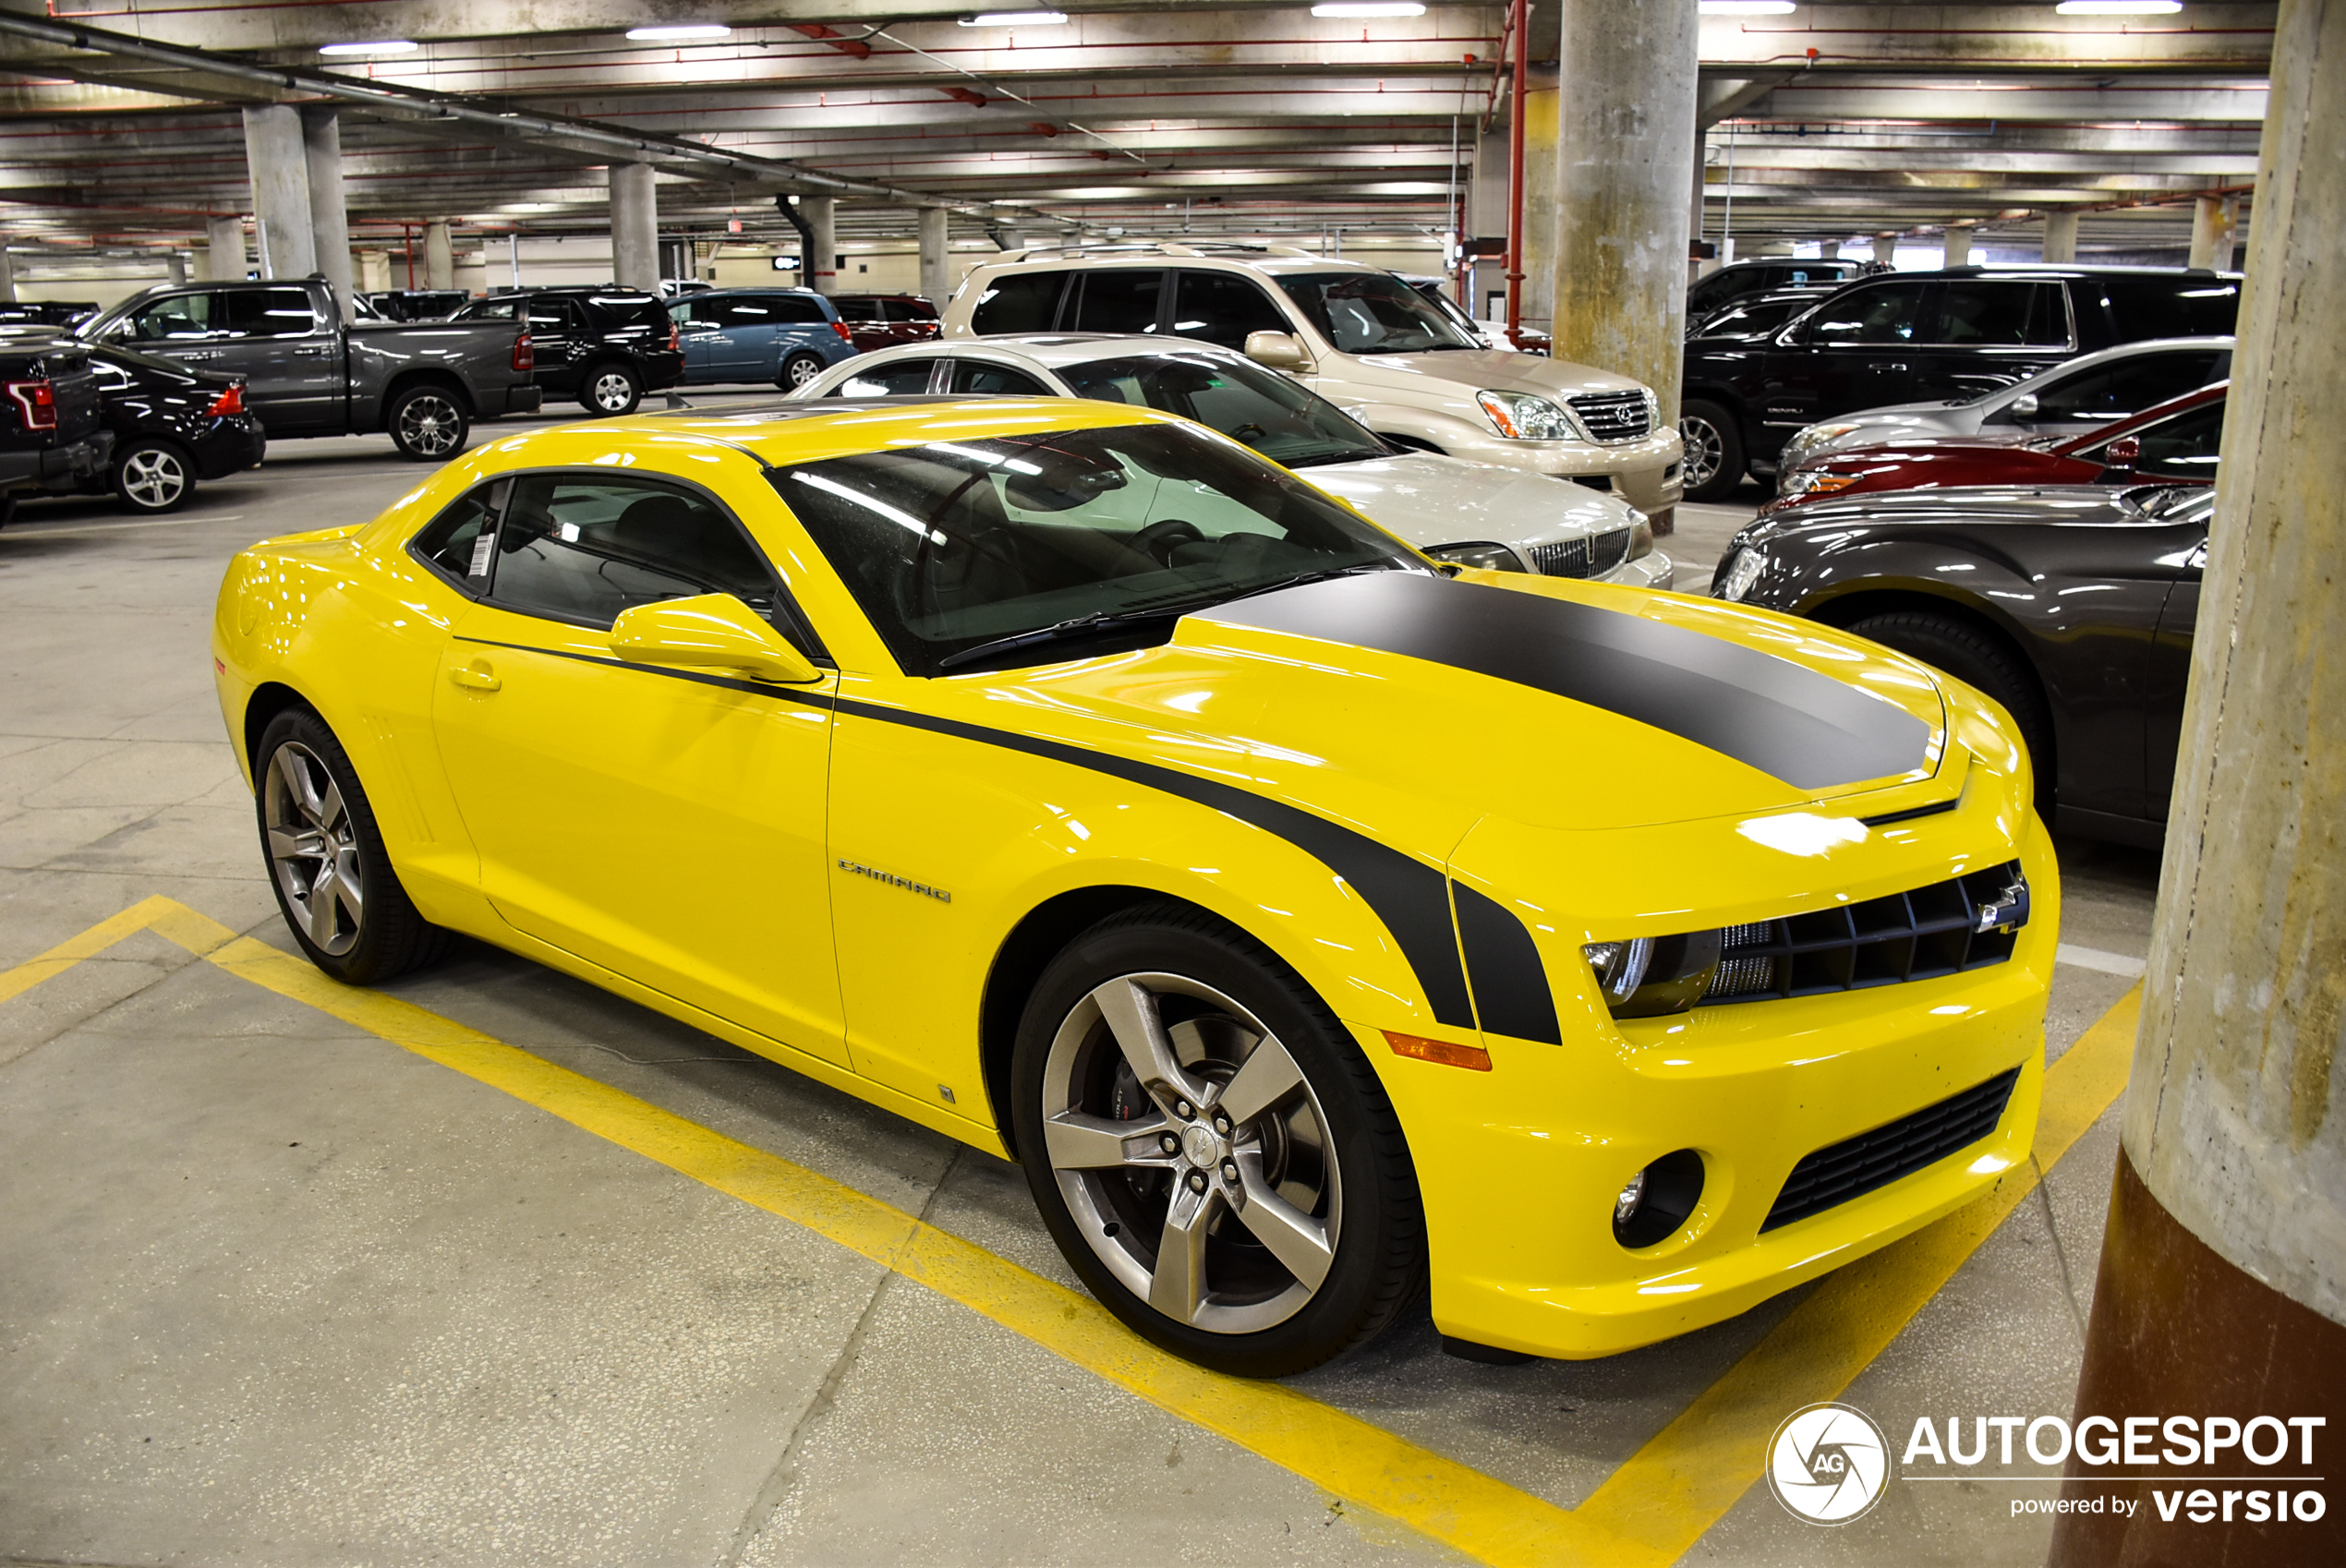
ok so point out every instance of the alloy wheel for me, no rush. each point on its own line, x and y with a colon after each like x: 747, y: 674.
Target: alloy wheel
x: 1704, y: 450
x: 613, y: 392
x: 803, y: 369
x: 154, y: 478
x: 430, y: 425
x: 1192, y: 1152
x: 313, y: 847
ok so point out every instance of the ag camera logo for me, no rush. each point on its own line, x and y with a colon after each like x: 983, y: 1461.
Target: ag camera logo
x: 1828, y: 1464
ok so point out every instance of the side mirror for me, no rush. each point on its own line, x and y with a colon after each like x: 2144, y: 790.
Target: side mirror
x: 1277, y: 350
x: 2023, y: 407
x: 711, y: 632
x: 2122, y: 453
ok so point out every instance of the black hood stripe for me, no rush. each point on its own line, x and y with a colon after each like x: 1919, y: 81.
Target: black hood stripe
x: 1808, y: 730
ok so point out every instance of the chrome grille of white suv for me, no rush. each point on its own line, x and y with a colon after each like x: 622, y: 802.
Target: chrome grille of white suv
x: 1613, y: 416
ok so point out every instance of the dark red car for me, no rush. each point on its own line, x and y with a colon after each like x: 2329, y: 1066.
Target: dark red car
x: 2174, y: 442
x: 883, y: 321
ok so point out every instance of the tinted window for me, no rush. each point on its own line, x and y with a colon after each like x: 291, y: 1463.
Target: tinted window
x: 459, y: 541
x: 1986, y: 313
x: 856, y: 307
x: 1753, y: 318
x: 635, y: 311
x: 491, y: 310
x: 762, y: 311
x: 910, y: 310
x: 956, y: 544
x: 1238, y: 397
x: 584, y: 549
x: 897, y: 377
x: 181, y: 316
x: 2183, y: 447
x: 1222, y: 308
x: 1372, y: 313
x: 266, y: 313
x: 995, y: 380
x: 2112, y: 391
x: 1880, y: 313
x: 2182, y: 306
x: 1024, y: 302
x: 1119, y: 299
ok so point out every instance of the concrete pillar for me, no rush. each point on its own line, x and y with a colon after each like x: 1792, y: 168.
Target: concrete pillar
x: 176, y: 265
x: 2061, y: 237
x: 8, y: 276
x: 819, y: 270
x: 936, y: 275
x: 2215, y: 222
x: 279, y: 163
x: 440, y: 256
x: 225, y: 250
x: 1828, y: 249
x: 1625, y: 140
x: 634, y: 227
x: 1538, y: 264
x: 329, y: 225
x: 2222, y: 1284
x: 1958, y: 246
x: 1885, y: 248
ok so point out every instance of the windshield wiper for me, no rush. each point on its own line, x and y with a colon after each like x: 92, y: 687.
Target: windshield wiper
x: 1075, y: 627
x: 1340, y: 454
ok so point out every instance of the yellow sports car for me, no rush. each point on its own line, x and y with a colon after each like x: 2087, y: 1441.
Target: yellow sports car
x: 1306, y: 918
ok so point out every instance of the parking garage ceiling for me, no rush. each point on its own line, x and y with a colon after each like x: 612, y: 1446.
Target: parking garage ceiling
x: 1231, y: 117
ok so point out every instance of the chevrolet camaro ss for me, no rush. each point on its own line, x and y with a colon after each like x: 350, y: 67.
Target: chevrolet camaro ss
x: 1308, y: 919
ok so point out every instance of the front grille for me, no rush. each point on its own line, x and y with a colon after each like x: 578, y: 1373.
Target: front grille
x: 1590, y: 557
x: 1857, y: 1165
x: 1613, y: 416
x: 1929, y: 932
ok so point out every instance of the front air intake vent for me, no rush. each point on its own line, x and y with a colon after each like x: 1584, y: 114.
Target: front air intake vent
x: 1613, y: 416
x: 1590, y: 557
x: 1857, y: 1165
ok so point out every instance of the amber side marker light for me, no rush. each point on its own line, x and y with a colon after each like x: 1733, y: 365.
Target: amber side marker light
x: 1472, y: 1058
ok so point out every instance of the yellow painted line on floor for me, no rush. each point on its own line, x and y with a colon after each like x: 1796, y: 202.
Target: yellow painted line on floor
x: 168, y: 916
x: 1684, y: 1480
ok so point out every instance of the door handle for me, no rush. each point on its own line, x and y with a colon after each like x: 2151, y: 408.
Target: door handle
x: 475, y: 677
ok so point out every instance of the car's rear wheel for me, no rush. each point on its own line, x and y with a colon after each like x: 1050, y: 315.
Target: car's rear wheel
x: 799, y: 369
x: 427, y: 424
x: 326, y: 859
x: 611, y: 389
x: 1714, y: 459
x: 1210, y: 1150
x: 153, y: 476
x: 1980, y: 658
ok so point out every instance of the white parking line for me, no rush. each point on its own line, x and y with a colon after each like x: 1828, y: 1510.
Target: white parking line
x: 2095, y: 958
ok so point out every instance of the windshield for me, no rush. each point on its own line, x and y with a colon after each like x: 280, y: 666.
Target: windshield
x: 955, y: 544
x: 1373, y: 313
x: 1259, y: 407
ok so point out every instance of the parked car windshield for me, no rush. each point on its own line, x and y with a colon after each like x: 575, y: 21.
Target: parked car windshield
x: 953, y: 544
x: 1373, y: 313
x: 1259, y: 407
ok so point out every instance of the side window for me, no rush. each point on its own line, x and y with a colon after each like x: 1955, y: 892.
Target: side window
x: 462, y: 541
x: 796, y: 312
x: 996, y: 381
x: 682, y: 313
x: 2184, y: 446
x: 2130, y: 386
x: 1984, y: 313
x: 750, y: 312
x: 912, y: 311
x: 583, y: 550
x: 1222, y: 308
x: 1024, y: 302
x: 267, y: 313
x: 1119, y: 299
x: 1884, y: 313
x: 2191, y: 305
x: 491, y: 310
x: 547, y: 318
x: 176, y: 318
x: 899, y: 377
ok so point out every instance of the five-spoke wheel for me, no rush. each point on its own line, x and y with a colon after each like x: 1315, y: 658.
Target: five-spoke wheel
x: 151, y: 476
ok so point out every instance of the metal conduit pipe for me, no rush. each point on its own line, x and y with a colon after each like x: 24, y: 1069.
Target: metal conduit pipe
x: 628, y: 146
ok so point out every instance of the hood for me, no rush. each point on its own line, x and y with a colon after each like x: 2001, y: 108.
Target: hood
x: 1431, y: 499
x: 1479, y: 370
x: 1414, y: 706
x: 1985, y: 504
x: 1929, y: 446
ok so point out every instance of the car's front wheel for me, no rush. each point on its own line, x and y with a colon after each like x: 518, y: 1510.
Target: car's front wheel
x: 611, y: 390
x: 799, y: 369
x: 153, y: 476
x: 1714, y: 459
x: 1209, y: 1148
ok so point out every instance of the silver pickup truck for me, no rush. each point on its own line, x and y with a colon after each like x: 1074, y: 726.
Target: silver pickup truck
x: 306, y: 374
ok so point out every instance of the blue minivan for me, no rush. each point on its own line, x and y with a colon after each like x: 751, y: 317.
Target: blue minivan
x: 784, y: 336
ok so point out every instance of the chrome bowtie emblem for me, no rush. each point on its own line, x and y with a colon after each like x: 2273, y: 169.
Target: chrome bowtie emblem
x: 2009, y: 908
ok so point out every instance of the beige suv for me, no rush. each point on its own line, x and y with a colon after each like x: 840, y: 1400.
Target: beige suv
x: 1361, y: 337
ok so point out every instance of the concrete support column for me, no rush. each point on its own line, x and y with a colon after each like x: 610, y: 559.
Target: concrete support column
x: 820, y: 270
x: 1958, y: 247
x: 2215, y: 222
x: 225, y: 250
x: 936, y: 275
x: 1625, y: 140
x: 440, y: 256
x: 1828, y: 249
x: 634, y: 227
x: 279, y: 163
x: 2222, y: 1285
x: 329, y: 225
x: 176, y: 266
x: 8, y: 276
x: 2061, y: 237
x: 1885, y: 248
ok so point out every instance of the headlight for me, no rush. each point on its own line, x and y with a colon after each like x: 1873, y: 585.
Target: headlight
x: 1809, y: 440
x: 1653, y: 409
x: 1742, y: 572
x: 1652, y: 975
x: 1520, y: 416
x: 1641, y: 534
x: 1489, y: 557
x: 1812, y: 482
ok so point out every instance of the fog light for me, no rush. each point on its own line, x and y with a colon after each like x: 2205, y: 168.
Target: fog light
x: 1625, y: 1208
x: 1656, y: 1202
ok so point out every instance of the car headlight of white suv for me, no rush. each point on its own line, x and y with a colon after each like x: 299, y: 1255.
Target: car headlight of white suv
x: 1526, y: 417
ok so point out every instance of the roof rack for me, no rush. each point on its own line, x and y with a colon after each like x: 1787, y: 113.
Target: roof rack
x: 1154, y: 247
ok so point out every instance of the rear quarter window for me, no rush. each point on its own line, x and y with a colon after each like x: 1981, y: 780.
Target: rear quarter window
x: 1021, y: 302
x: 2184, y: 305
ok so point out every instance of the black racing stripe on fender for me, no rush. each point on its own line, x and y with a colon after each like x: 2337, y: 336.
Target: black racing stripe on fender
x: 1409, y: 896
x: 1510, y: 983
x: 1808, y: 730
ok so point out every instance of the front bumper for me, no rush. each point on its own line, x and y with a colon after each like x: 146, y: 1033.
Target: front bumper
x: 1652, y: 570
x: 1645, y: 473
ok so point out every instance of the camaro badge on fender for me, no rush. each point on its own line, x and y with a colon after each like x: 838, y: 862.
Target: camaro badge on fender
x: 893, y: 880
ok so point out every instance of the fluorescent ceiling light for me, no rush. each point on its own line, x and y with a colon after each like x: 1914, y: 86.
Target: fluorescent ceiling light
x: 1745, y: 7
x: 1016, y: 19
x: 1369, y: 8
x: 670, y: 34
x: 2118, y: 7
x: 382, y: 46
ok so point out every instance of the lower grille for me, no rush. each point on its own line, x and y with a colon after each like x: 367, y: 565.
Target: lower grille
x: 1965, y: 922
x: 1858, y: 1165
x: 1589, y: 557
x: 1613, y: 416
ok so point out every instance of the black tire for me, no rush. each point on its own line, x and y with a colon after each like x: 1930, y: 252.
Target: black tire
x: 611, y: 390
x: 798, y: 369
x: 1977, y: 657
x: 151, y: 476
x: 1714, y: 462
x: 428, y: 423
x: 7, y: 509
x: 300, y: 758
x: 1326, y: 1148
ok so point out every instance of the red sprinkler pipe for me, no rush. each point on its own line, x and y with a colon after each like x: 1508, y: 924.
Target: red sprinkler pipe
x: 1515, y: 175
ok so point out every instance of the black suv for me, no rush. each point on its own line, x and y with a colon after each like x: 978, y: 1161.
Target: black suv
x: 51, y: 431
x: 1913, y: 337
x: 606, y: 347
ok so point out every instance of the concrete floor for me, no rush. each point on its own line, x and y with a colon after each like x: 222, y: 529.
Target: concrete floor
x: 277, y: 1291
